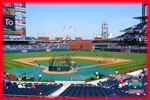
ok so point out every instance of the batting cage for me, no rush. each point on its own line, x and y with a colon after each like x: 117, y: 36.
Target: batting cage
x: 60, y: 63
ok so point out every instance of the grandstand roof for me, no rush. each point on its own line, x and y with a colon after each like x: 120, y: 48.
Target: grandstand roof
x: 134, y: 28
x: 141, y: 17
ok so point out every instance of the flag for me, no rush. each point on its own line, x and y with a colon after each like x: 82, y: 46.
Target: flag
x: 64, y: 29
x: 70, y: 27
x: 56, y: 33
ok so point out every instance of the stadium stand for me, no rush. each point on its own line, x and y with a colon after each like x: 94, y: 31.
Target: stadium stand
x: 108, y: 87
x: 19, y: 38
x: 46, y: 89
x: 134, y: 39
x: 33, y: 46
x: 115, y: 86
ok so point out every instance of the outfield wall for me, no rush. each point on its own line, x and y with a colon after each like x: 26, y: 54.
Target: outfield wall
x: 120, y: 50
x: 106, y: 49
x: 81, y: 44
x: 38, y: 50
x: 43, y: 50
x: 125, y: 50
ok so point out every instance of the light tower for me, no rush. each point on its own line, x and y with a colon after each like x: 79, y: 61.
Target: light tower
x: 104, y: 33
x: 143, y: 12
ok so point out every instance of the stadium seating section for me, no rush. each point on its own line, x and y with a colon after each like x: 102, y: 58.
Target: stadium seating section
x: 19, y: 38
x: 47, y: 89
x: 137, y: 27
x: 83, y: 90
x: 109, y: 87
x: 33, y: 46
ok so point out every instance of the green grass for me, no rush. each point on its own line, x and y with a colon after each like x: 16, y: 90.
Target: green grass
x: 138, y: 59
x: 77, y: 61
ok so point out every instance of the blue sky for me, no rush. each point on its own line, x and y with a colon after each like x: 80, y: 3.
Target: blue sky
x: 85, y: 19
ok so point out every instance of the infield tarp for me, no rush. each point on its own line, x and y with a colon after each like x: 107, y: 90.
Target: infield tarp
x: 81, y: 74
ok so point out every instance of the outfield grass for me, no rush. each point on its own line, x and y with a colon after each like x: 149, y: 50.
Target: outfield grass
x: 138, y: 59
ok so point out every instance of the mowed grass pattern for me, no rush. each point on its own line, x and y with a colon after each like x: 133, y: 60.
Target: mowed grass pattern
x: 138, y: 59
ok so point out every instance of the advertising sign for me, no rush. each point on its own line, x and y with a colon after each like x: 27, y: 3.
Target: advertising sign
x: 21, y: 25
x: 24, y: 51
x: 9, y: 23
x: 21, y: 19
x: 19, y: 30
x: 20, y: 9
x: 133, y: 84
x: 9, y: 11
x: 20, y: 14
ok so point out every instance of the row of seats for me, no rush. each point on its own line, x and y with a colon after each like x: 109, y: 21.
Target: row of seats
x: 128, y: 47
x: 47, y: 89
x: 33, y: 46
x: 132, y: 35
x: 19, y: 38
x: 139, y: 26
x: 108, y: 88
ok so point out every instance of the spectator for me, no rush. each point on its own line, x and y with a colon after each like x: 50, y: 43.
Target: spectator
x: 4, y: 83
x: 96, y: 73
x: 40, y: 91
x: 144, y: 71
x: 8, y: 83
x: 127, y: 82
x: 118, y: 81
x: 113, y: 95
x: 40, y: 76
x: 100, y: 83
x: 116, y: 72
x: 33, y: 87
x: 121, y: 81
x: 19, y: 79
x: 4, y: 74
x: 19, y: 85
x: 23, y: 86
x: 7, y: 74
x: 120, y: 85
x: 141, y: 76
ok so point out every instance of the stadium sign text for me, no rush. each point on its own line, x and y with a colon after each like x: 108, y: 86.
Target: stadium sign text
x: 132, y: 91
x: 20, y: 9
x: 9, y: 22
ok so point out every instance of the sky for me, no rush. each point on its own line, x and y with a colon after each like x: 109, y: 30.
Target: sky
x: 52, y: 20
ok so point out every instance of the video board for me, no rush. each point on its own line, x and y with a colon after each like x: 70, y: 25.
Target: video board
x: 9, y: 23
x: 14, y: 18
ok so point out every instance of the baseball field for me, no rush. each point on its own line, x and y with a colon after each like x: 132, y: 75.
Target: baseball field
x: 17, y: 63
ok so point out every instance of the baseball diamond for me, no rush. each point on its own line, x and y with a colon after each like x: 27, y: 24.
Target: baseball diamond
x: 75, y: 61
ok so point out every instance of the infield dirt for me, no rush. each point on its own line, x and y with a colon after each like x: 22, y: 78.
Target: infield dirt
x: 45, y: 70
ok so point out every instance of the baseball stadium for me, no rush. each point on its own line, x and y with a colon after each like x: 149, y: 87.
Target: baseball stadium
x: 102, y: 67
